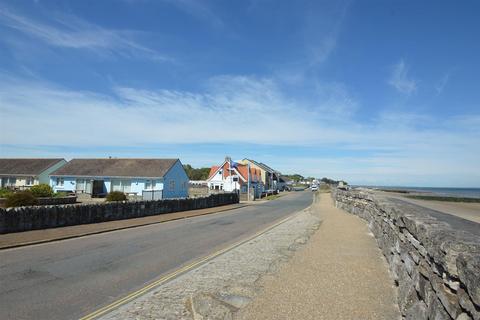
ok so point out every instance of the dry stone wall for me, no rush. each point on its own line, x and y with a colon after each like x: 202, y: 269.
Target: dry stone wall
x: 43, y: 217
x: 436, y: 267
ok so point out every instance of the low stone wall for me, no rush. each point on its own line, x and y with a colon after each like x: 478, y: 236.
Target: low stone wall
x: 48, y: 201
x: 436, y: 268
x: 43, y: 217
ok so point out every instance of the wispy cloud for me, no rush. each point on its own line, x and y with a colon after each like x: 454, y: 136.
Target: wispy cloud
x: 323, y: 27
x: 400, y: 79
x: 442, y: 83
x: 69, y: 31
x: 237, y: 110
x: 199, y: 10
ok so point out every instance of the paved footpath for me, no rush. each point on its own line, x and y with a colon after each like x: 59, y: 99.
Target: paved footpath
x: 340, y: 274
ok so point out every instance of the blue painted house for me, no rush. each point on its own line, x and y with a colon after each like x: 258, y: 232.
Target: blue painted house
x: 146, y: 178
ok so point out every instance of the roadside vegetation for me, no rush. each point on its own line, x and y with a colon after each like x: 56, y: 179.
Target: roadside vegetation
x: 116, y: 196
x: 20, y: 199
x: 4, y: 192
x: 42, y: 191
x: 272, y: 197
x: 29, y: 197
x: 196, y: 173
x: 449, y: 199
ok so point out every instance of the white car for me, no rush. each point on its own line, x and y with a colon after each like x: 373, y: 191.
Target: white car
x: 314, y: 187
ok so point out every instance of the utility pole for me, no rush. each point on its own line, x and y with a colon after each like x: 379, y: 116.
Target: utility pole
x: 248, y: 181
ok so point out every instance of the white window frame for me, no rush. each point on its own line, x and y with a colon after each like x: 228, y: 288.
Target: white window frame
x: 59, y: 182
x: 31, y: 180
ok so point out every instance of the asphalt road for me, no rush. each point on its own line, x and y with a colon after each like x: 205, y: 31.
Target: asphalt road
x: 71, y: 278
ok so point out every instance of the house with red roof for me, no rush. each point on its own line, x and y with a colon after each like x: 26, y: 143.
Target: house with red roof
x: 231, y: 176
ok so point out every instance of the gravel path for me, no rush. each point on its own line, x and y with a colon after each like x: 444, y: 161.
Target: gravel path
x: 340, y: 274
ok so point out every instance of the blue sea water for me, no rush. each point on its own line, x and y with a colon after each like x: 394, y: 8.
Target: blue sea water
x: 449, y: 192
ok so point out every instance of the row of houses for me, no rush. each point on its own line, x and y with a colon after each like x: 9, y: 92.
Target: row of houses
x: 147, y: 178
x: 245, y: 176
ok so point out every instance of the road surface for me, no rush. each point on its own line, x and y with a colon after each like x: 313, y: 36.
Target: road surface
x: 71, y: 278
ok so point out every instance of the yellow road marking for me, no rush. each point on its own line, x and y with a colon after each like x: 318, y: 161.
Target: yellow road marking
x: 167, y: 277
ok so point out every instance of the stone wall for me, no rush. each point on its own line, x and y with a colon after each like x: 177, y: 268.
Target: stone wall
x: 48, y: 201
x: 43, y: 217
x: 435, y: 267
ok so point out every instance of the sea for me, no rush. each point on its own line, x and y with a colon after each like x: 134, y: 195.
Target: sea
x: 446, y: 192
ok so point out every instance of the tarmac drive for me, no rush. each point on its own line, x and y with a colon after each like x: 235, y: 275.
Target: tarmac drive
x: 71, y: 278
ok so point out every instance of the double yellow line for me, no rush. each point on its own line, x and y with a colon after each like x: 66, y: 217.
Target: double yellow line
x: 172, y: 275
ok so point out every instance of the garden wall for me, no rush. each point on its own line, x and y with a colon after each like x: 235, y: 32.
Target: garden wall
x: 48, y: 200
x: 43, y: 217
x: 436, y: 267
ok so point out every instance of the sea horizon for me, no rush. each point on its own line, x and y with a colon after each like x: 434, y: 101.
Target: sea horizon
x: 441, y: 191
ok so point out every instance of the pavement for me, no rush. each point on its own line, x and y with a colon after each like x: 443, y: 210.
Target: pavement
x: 464, y: 210
x: 454, y: 221
x: 19, y: 239
x: 340, y: 274
x: 71, y: 278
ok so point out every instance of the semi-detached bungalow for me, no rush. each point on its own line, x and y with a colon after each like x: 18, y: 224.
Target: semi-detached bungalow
x: 25, y: 173
x: 146, y: 178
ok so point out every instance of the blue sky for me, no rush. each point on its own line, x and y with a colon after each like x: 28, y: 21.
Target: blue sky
x: 374, y: 92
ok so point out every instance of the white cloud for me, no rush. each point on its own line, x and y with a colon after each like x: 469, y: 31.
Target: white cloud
x: 323, y: 26
x: 198, y: 9
x: 442, y: 83
x: 72, y: 32
x: 243, y: 110
x: 400, y: 79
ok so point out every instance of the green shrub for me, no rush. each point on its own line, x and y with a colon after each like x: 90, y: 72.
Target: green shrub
x: 4, y: 192
x: 116, y: 196
x: 20, y: 199
x: 42, y: 191
x: 61, y: 194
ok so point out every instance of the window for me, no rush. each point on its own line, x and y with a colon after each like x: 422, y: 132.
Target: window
x: 9, y: 181
x: 80, y: 186
x: 29, y: 181
x: 150, y: 185
x: 172, y: 185
x: 121, y: 185
x: 59, y: 182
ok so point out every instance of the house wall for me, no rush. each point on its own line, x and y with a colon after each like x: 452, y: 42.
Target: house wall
x: 177, y: 174
x: 137, y: 185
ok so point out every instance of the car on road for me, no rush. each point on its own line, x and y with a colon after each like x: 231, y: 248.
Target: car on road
x: 314, y: 187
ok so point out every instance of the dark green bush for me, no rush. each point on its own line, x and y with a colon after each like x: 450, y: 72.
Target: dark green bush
x: 20, y: 199
x: 116, y: 196
x: 42, y: 191
x: 61, y: 194
x: 4, y: 192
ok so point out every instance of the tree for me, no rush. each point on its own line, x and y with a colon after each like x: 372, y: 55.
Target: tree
x: 196, y: 174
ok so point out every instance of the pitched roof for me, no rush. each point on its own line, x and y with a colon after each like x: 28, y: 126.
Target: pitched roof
x: 262, y: 165
x: 146, y: 168
x: 213, y: 170
x: 28, y: 167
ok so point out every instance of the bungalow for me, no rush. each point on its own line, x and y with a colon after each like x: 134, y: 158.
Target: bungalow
x: 150, y: 179
x: 24, y: 173
x: 269, y: 176
x: 231, y: 176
